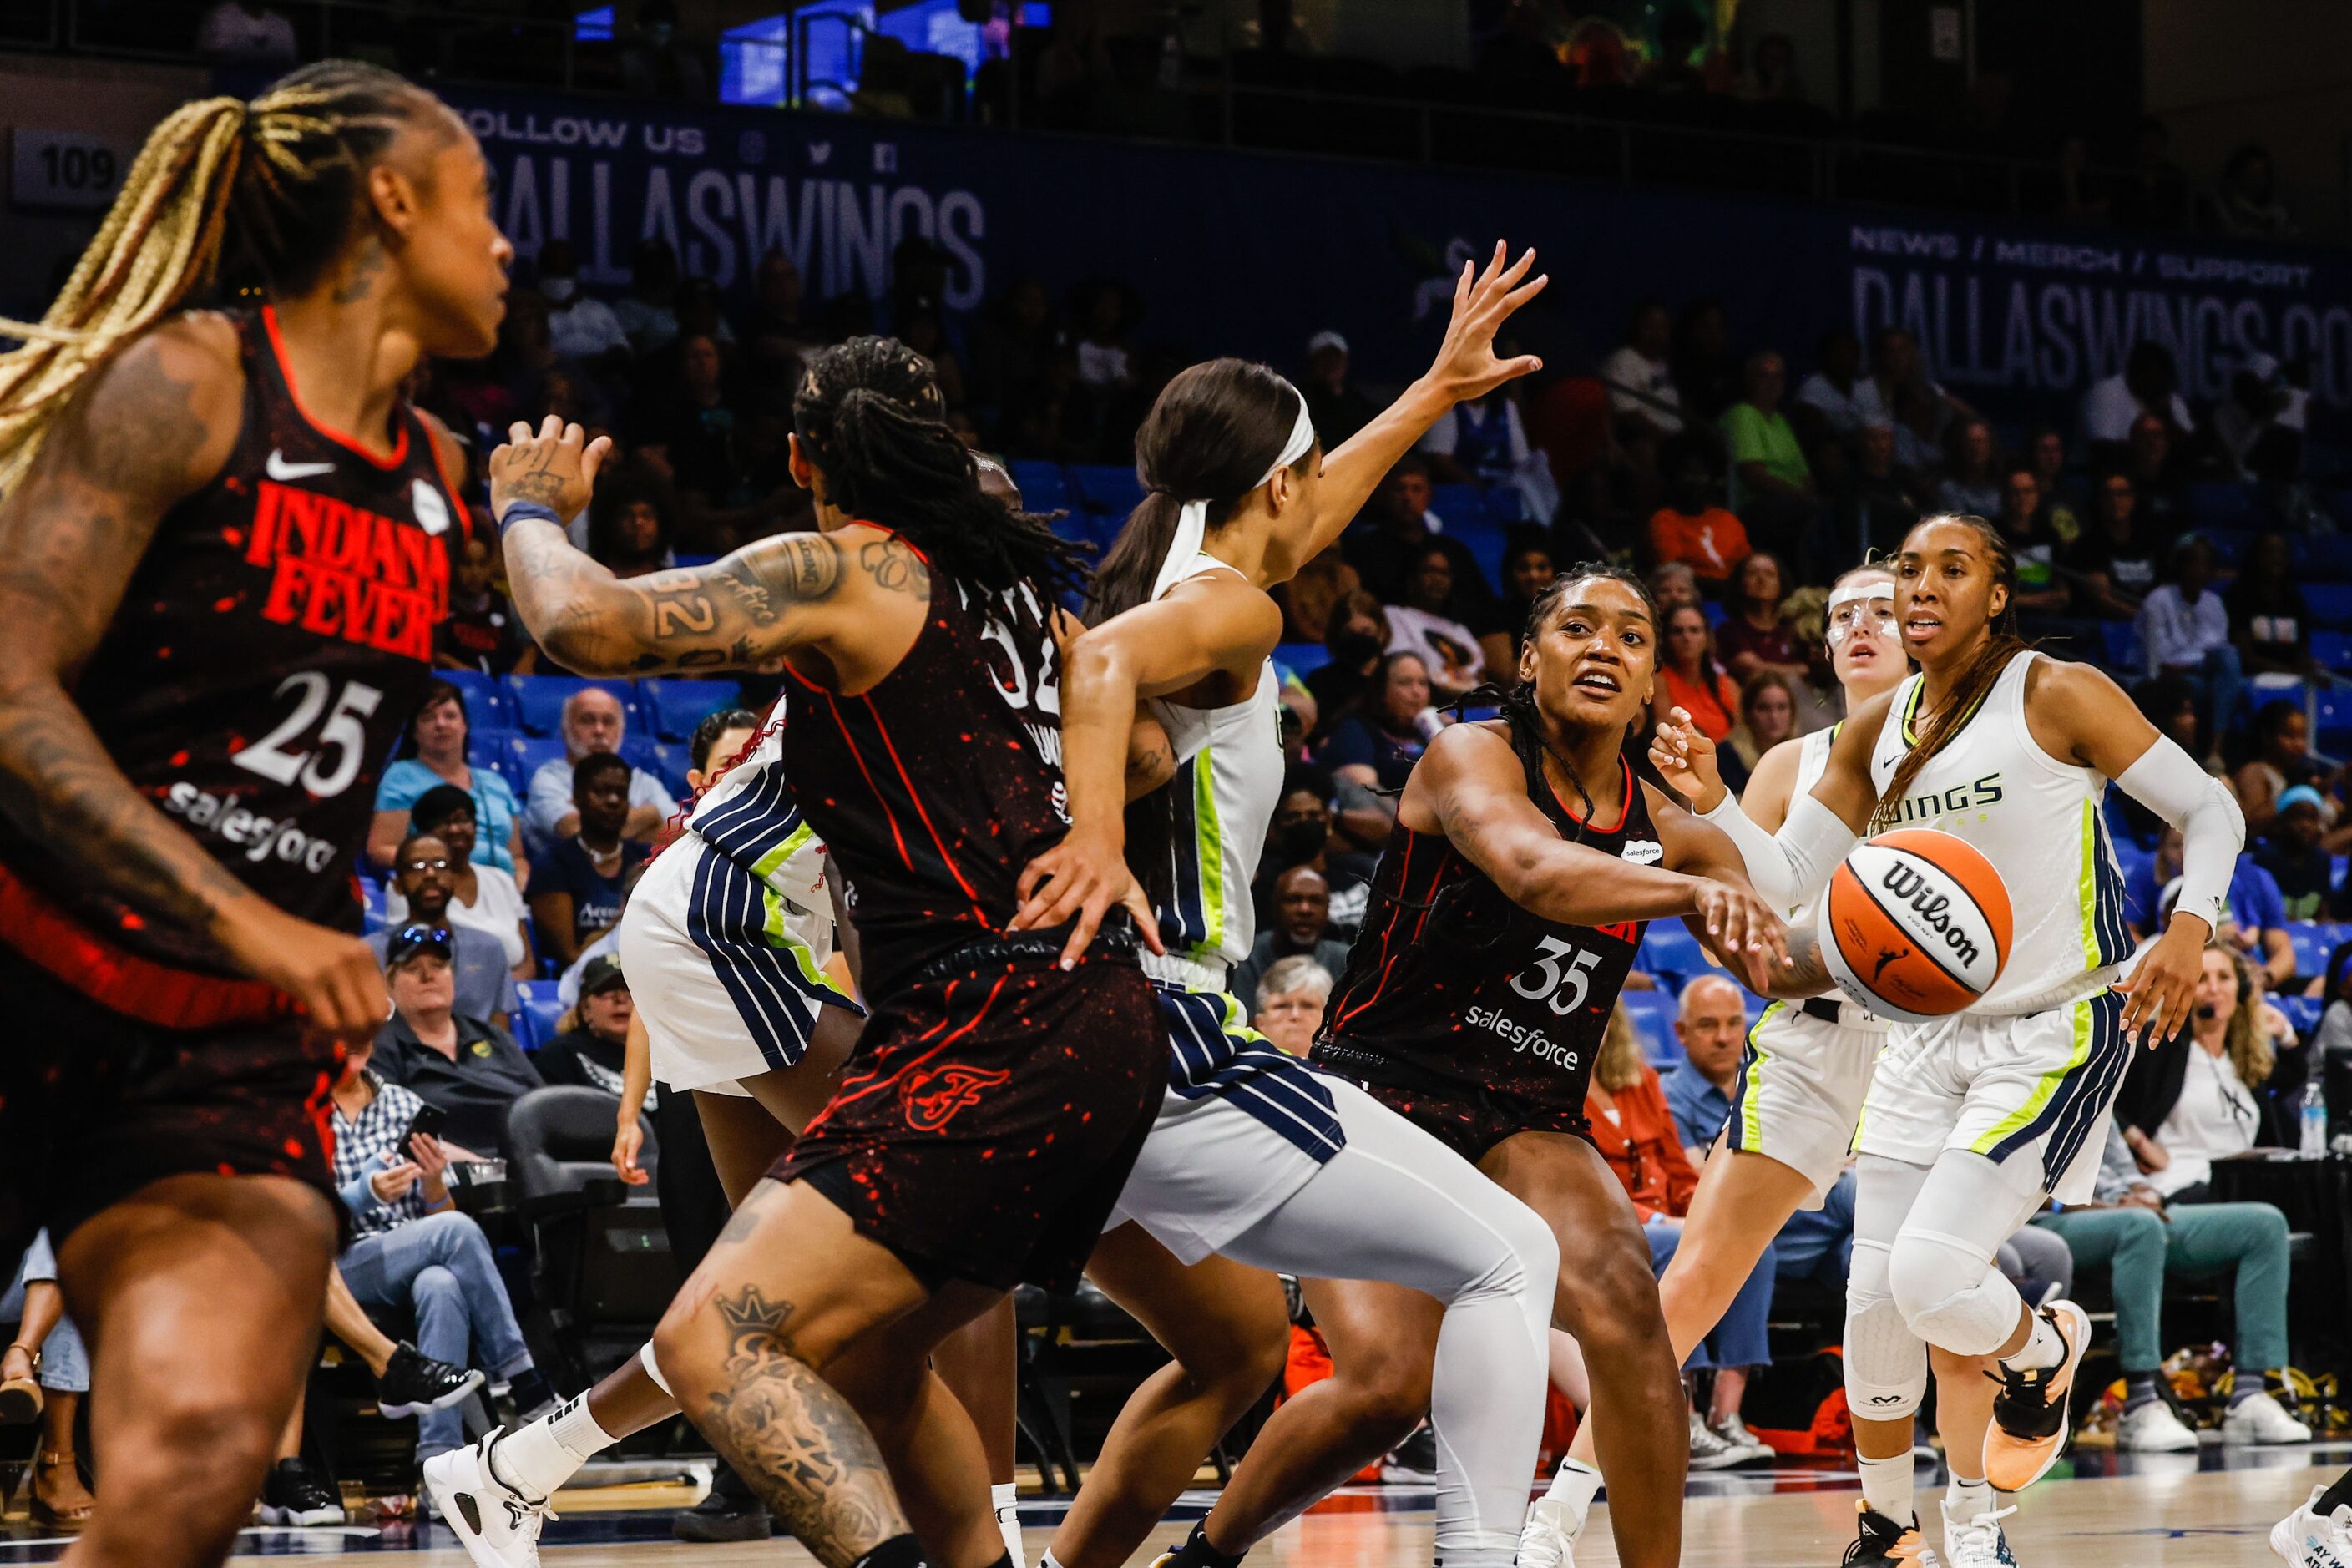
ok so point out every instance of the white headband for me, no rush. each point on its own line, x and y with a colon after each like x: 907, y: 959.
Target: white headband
x: 1192, y: 518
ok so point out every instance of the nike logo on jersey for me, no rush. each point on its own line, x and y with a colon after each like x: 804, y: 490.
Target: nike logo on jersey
x: 278, y: 468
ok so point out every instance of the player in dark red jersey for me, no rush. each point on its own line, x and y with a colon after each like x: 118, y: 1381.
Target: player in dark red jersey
x: 1525, y: 861
x: 228, y: 543
x: 982, y: 1127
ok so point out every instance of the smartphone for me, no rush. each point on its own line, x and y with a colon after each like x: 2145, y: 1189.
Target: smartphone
x: 429, y: 1119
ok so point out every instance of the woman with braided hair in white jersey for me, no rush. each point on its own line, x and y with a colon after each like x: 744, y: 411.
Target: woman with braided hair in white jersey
x: 1974, y: 1120
x: 1255, y: 1155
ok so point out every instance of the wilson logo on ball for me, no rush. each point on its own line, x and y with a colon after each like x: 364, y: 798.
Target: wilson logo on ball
x: 1917, y: 924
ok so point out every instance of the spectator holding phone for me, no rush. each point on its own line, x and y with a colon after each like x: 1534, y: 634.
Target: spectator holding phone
x: 411, y: 1248
x: 468, y: 1068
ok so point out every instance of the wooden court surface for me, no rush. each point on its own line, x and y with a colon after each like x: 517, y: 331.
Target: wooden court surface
x: 2167, y: 1519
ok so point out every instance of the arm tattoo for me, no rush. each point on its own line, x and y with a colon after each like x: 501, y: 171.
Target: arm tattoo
x: 794, y: 1439
x: 729, y: 614
x: 70, y: 537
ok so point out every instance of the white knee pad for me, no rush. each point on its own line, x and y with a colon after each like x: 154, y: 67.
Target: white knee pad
x: 653, y: 1368
x: 1950, y: 1294
x: 1885, y: 1363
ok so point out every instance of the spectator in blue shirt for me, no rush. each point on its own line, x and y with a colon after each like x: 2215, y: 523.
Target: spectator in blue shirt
x: 435, y: 751
x: 1711, y: 1022
x: 2257, y: 908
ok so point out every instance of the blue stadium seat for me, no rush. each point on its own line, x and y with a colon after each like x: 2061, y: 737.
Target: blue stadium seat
x: 2225, y: 503
x: 539, y: 700
x: 2302, y: 1012
x: 2123, y: 644
x: 535, y: 1020
x: 2330, y: 604
x: 2313, y: 940
x: 1043, y: 486
x: 673, y: 708
x: 1302, y: 658
x: 2325, y: 556
x: 1674, y: 955
x: 2130, y: 858
x: 525, y: 755
x: 1505, y: 504
x: 670, y: 761
x: 2333, y: 732
x: 1484, y: 536
x: 371, y: 906
x: 691, y: 561
x: 1107, y: 490
x: 1455, y: 505
x: 486, y: 699
x: 1653, y: 1012
x: 2332, y: 649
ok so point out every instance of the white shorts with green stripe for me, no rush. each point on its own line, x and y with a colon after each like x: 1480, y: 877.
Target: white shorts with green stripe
x: 727, y: 973
x: 2030, y: 1093
x: 1801, y: 1085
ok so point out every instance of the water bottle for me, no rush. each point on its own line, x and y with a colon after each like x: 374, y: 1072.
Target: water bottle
x: 2315, y: 1121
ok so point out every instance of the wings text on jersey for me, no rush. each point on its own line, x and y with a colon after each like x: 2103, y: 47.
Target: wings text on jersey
x: 343, y: 572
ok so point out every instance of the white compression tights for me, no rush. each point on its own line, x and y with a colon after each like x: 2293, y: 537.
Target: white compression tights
x: 1398, y: 1206
x: 1924, y: 1243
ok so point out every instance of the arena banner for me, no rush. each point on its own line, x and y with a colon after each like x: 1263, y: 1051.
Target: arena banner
x: 1248, y: 253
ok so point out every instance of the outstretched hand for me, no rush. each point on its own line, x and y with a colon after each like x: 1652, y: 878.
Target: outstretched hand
x: 1685, y: 758
x: 1465, y: 368
x: 556, y: 468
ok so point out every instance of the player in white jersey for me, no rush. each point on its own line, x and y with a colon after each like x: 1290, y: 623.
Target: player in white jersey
x: 1974, y: 1120
x: 1253, y: 1154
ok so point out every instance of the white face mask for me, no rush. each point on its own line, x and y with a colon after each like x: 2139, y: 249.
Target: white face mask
x: 1869, y: 614
x: 558, y: 290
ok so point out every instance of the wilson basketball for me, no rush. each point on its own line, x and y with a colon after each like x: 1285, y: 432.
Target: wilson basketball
x: 1915, y: 925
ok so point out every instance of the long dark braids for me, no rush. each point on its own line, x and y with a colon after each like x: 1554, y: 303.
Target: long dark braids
x: 870, y: 412
x: 1517, y: 701
x: 1968, y: 691
x: 1211, y: 436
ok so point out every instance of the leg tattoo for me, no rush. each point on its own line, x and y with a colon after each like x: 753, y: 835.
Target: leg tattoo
x: 795, y: 1440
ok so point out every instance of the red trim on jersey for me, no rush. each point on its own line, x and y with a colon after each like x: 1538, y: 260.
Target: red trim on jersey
x: 1624, y: 807
x: 1396, y: 913
x: 286, y: 373
x: 953, y: 871
x: 903, y: 1069
x: 122, y: 982
x: 859, y: 758
x: 885, y: 528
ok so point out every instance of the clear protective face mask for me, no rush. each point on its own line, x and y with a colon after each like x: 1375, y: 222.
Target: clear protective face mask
x: 1867, y: 612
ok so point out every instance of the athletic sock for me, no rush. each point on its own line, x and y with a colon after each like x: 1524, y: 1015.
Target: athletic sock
x: 1888, y: 1487
x: 2044, y: 1348
x: 1965, y: 1500
x: 2244, y: 1390
x: 1196, y: 1551
x: 2139, y: 1388
x: 1004, y: 1497
x: 537, y: 1459
x: 1574, y: 1485
x: 899, y: 1552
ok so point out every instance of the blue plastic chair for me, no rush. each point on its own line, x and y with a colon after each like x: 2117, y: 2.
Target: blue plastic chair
x: 1107, y: 489
x: 1456, y: 505
x: 1674, y: 955
x: 1302, y: 658
x: 2122, y: 645
x: 371, y: 903
x: 2313, y: 940
x: 1483, y: 538
x: 2302, y: 1012
x: 1043, y: 486
x: 2332, y: 649
x: 1653, y: 1012
x: 2330, y: 604
x: 673, y: 708
x: 539, y: 700
x: 670, y: 761
x: 2225, y: 503
x: 525, y: 755
x: 535, y: 1021
x: 487, y: 707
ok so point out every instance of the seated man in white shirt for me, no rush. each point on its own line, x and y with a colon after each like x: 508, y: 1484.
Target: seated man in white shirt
x: 2184, y: 630
x: 2149, y: 383
x: 1838, y: 399
x: 579, y: 326
x: 593, y: 722
x: 1643, y: 397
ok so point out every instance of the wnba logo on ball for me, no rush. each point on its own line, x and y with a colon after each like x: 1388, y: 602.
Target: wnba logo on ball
x: 1905, y: 882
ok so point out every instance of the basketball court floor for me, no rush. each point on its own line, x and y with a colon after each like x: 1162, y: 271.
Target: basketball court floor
x: 2212, y: 1509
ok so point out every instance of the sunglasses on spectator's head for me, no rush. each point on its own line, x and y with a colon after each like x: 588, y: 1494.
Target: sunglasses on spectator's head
x: 410, y: 940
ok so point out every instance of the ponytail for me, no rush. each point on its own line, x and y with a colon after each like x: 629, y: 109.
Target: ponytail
x: 870, y: 412
x: 1974, y: 684
x: 1212, y: 433
x: 264, y: 191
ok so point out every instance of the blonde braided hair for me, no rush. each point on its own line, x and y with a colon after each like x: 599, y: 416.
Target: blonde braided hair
x: 267, y: 188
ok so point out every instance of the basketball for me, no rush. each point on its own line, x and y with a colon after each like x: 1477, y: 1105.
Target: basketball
x: 1917, y: 924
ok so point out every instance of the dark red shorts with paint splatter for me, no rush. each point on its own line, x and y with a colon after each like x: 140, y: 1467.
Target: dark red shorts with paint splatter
x: 94, y: 1105
x: 992, y: 1111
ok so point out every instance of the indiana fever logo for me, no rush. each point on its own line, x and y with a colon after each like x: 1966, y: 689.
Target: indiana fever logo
x: 340, y: 572
x: 935, y: 1095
